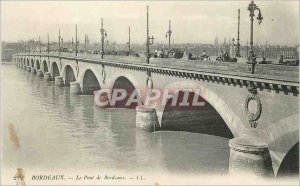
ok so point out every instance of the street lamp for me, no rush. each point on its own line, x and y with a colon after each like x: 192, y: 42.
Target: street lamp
x: 29, y: 45
x: 129, y: 41
x: 40, y: 44
x: 76, y: 42
x: 103, y: 34
x: 149, y: 39
x: 85, y: 43
x: 59, y: 38
x: 252, y: 7
x: 237, y: 45
x: 62, y: 44
x: 48, y: 44
x: 168, y: 34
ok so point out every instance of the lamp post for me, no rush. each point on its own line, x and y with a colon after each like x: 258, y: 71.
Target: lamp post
x: 238, y: 53
x: 33, y: 46
x: 62, y: 44
x: 72, y: 44
x: 149, y: 39
x: 40, y: 44
x: 168, y: 34
x: 237, y: 45
x: 103, y: 34
x: 76, y: 42
x: 29, y: 46
x: 59, y: 41
x: 247, y: 49
x: 48, y: 45
x: 129, y: 39
x: 85, y: 43
x: 252, y: 7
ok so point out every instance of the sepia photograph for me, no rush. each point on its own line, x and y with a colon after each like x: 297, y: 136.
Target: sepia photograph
x: 176, y: 92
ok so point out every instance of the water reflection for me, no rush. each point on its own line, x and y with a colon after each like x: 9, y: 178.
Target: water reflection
x: 194, y: 153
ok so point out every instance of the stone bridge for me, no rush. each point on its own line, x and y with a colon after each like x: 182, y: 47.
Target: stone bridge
x: 258, y: 111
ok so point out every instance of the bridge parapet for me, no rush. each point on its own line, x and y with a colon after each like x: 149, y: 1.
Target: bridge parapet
x: 266, y: 76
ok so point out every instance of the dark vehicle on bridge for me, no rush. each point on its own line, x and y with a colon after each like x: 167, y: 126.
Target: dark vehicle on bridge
x: 230, y: 59
x: 224, y: 57
x: 65, y: 50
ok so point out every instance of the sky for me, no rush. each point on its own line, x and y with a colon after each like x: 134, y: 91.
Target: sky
x: 191, y: 21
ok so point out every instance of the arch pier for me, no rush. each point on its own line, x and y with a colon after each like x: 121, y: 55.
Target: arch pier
x: 75, y: 88
x: 39, y: 73
x: 146, y: 119
x: 47, y: 76
x: 59, y: 81
x: 33, y: 70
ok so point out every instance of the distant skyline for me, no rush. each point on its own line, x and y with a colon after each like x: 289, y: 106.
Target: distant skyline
x: 192, y: 21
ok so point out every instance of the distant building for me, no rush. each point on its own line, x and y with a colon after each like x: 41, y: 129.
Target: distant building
x: 7, y: 50
x: 6, y: 55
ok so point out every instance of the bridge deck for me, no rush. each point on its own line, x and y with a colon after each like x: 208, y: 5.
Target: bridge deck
x: 270, y: 72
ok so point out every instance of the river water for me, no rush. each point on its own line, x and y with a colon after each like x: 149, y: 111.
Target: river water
x: 45, y: 129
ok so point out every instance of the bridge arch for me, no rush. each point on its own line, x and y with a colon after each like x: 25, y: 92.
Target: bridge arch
x: 54, y: 70
x: 282, y: 136
x: 45, y: 66
x: 215, y: 103
x: 28, y: 62
x: 37, y: 64
x: 90, y: 83
x: 68, y: 74
x: 129, y: 84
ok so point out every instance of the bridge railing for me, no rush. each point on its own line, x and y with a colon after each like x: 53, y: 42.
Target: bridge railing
x: 269, y: 71
x: 129, y: 59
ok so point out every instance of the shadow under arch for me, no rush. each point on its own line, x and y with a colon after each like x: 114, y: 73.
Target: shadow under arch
x: 54, y: 70
x: 124, y: 83
x: 90, y: 83
x: 45, y: 66
x: 32, y: 63
x: 38, y: 65
x: 232, y: 120
x: 28, y: 62
x: 202, y: 119
x: 290, y: 164
x: 69, y: 75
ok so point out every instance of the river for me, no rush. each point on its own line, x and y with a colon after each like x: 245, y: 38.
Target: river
x: 45, y: 129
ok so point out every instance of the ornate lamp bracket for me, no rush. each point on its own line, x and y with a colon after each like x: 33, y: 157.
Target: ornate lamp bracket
x: 77, y: 69
x: 60, y: 65
x: 149, y: 81
x: 103, y: 74
x: 253, y: 117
